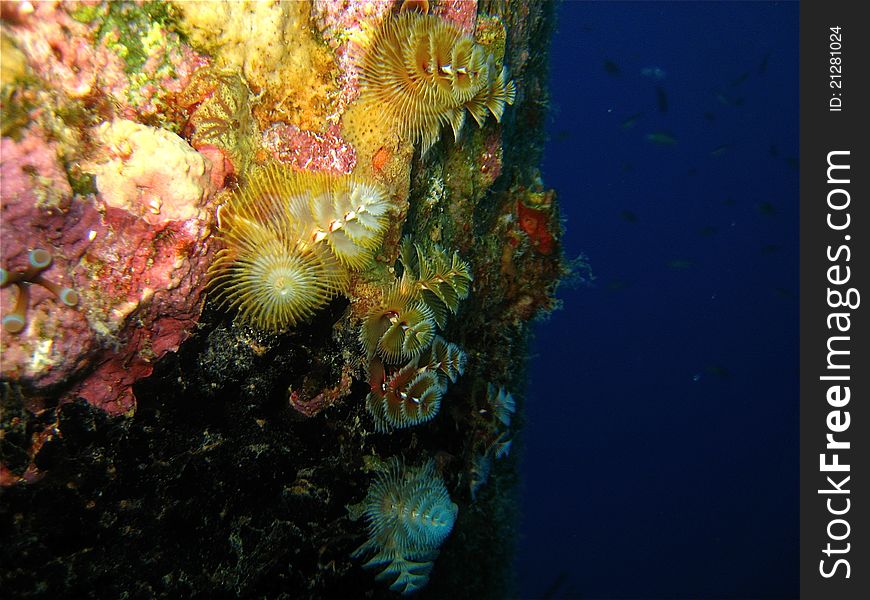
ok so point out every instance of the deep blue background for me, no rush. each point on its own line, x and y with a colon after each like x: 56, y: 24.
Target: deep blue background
x: 661, y: 447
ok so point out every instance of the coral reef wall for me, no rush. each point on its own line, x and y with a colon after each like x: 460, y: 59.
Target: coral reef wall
x: 160, y: 157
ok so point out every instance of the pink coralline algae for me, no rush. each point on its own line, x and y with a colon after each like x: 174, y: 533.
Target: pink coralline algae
x: 81, y: 60
x: 310, y: 406
x: 461, y: 13
x: 59, y: 48
x: 137, y: 262
x: 310, y: 151
x: 491, y: 157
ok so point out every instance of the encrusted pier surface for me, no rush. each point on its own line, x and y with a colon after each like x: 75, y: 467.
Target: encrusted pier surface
x: 269, y: 271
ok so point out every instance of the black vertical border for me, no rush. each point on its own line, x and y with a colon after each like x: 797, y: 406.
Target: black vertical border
x: 822, y: 131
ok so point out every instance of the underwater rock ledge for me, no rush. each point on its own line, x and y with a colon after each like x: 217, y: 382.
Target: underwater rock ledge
x: 157, y: 444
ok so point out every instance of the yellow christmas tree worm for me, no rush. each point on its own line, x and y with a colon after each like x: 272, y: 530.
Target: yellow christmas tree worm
x: 400, y: 327
x: 420, y: 72
x: 441, y: 279
x: 289, y: 241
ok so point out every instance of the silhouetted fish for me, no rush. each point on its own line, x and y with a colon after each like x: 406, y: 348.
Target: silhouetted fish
x: 680, y: 264
x: 762, y: 68
x: 661, y: 137
x: 656, y: 73
x: 724, y: 99
x: 718, y: 370
x: 631, y: 121
x: 611, y: 67
x: 719, y: 150
x: 661, y: 99
x: 740, y: 79
x: 628, y: 216
x: 708, y: 230
x: 616, y: 285
x: 766, y: 207
x: 555, y: 586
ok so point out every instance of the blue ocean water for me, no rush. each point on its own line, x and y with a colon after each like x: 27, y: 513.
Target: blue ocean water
x: 661, y: 448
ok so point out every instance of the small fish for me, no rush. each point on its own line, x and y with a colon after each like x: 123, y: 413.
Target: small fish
x: 792, y: 161
x: 656, y: 73
x: 723, y: 99
x: 661, y: 99
x: 729, y: 202
x: 692, y: 171
x: 631, y: 121
x: 628, y: 216
x: 708, y: 230
x: 662, y: 138
x: 765, y: 207
x: 762, y: 68
x: 616, y: 285
x: 773, y: 151
x: 680, y: 264
x: 717, y: 370
x: 562, y: 135
x: 611, y: 67
x: 556, y: 586
x: 710, y: 116
x: 740, y: 79
x: 770, y: 248
x: 719, y: 150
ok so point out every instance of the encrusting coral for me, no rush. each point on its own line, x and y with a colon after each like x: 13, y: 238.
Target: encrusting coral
x: 219, y: 103
x: 289, y: 239
x: 274, y: 48
x: 409, y: 514
x: 420, y: 72
x: 151, y: 171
